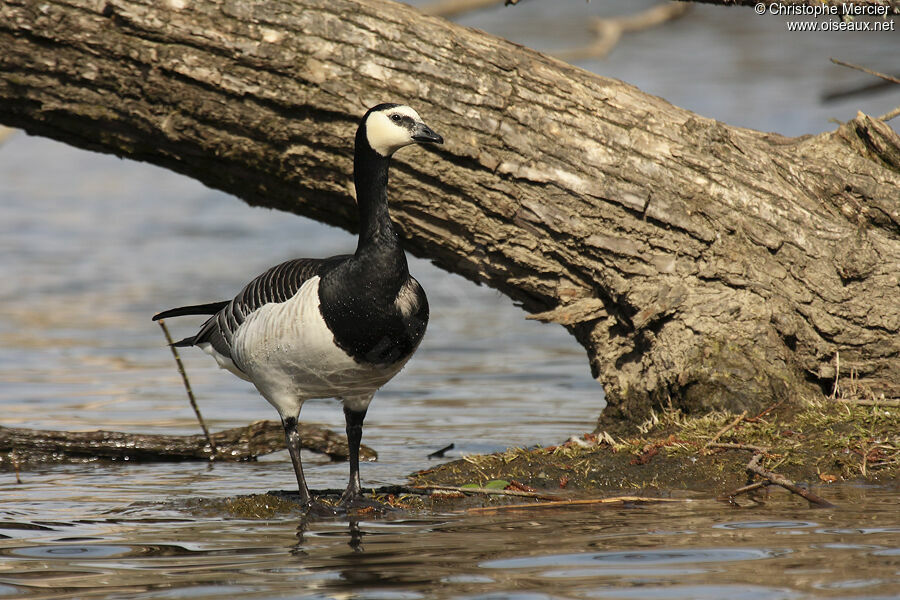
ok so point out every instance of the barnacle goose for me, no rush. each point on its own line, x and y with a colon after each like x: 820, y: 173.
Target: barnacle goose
x: 337, y: 327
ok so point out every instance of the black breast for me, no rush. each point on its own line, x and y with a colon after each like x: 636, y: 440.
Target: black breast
x: 375, y: 320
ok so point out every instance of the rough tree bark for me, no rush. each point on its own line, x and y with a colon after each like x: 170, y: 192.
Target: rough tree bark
x: 23, y: 446
x: 699, y: 264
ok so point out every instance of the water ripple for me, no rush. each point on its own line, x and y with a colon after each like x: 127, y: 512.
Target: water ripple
x: 766, y: 525
x: 636, y: 557
x: 700, y: 592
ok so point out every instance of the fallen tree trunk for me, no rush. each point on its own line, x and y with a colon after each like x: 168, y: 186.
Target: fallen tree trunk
x: 24, y: 446
x: 700, y: 265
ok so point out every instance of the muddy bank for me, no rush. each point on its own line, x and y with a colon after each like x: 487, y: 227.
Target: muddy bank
x: 816, y: 443
x: 671, y: 456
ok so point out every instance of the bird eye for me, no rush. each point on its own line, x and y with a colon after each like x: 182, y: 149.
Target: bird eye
x: 395, y: 118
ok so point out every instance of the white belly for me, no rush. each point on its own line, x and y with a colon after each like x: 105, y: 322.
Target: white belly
x: 289, y: 354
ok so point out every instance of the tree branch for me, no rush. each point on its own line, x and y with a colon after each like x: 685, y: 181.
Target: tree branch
x: 610, y: 30
x: 754, y: 467
x: 237, y: 444
x: 889, y: 78
x: 706, y: 265
x: 453, y: 8
x: 20, y: 446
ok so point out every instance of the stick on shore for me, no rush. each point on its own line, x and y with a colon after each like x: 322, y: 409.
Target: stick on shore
x: 24, y: 446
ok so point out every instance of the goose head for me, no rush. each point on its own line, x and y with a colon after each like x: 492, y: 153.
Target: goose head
x: 389, y: 127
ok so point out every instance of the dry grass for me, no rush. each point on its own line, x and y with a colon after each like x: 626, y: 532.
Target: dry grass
x: 818, y: 441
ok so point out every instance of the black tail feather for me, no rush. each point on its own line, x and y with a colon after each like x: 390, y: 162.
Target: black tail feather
x: 198, y: 309
x: 185, y: 343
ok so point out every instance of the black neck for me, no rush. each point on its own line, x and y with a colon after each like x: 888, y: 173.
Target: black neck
x: 360, y: 298
x: 370, y: 174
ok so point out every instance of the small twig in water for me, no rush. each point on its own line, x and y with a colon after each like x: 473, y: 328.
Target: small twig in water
x: 187, y: 387
x: 484, y: 491
x: 730, y: 496
x: 589, y: 501
x: 754, y: 467
x: 440, y: 453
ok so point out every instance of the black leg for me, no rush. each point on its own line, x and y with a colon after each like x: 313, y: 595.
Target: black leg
x: 292, y: 436
x: 354, y: 435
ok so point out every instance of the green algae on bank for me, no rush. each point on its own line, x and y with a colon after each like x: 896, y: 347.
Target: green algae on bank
x: 817, y: 442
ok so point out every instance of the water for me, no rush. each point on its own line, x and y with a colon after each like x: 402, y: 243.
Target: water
x: 690, y: 551
x: 91, y: 246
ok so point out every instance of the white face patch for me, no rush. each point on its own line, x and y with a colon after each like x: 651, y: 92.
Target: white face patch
x: 384, y: 135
